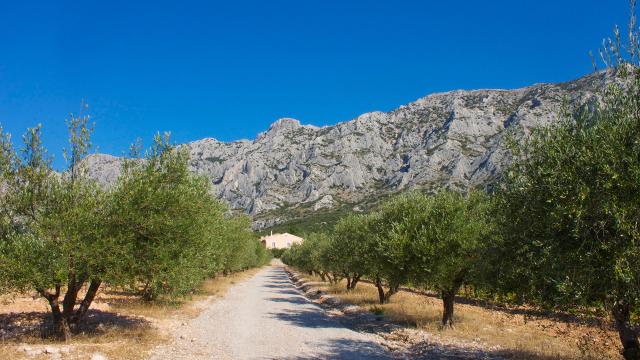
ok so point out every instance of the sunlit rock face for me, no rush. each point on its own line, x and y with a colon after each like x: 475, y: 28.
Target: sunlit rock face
x: 454, y: 139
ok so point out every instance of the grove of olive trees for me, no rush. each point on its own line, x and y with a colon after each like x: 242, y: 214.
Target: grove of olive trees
x: 431, y: 241
x: 157, y: 231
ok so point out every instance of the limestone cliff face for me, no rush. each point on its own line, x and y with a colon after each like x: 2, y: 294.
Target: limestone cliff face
x: 453, y: 139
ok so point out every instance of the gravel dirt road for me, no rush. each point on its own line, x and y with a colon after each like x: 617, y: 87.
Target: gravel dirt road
x: 267, y: 318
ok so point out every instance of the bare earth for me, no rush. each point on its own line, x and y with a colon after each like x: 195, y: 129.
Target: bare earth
x: 267, y: 318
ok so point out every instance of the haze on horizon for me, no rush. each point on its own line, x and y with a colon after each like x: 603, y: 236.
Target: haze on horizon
x: 213, y: 69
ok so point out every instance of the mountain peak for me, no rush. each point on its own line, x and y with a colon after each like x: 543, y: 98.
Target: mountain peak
x: 285, y: 123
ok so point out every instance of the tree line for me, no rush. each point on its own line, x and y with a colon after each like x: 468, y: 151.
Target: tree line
x: 431, y: 241
x: 158, y: 231
x: 560, y: 229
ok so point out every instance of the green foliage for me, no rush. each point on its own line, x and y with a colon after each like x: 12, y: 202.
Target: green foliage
x: 243, y: 250
x: 306, y: 221
x: 433, y: 241
x: 277, y: 253
x: 445, y: 240
x: 563, y: 230
x: 389, y: 248
x: 310, y: 255
x: 157, y: 231
x: 569, y: 208
x: 175, y: 232
x: 51, y: 236
x: 350, y: 249
x: 568, y: 205
x: 169, y: 224
x: 445, y: 237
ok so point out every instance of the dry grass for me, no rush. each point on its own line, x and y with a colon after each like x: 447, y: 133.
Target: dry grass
x: 518, y: 334
x: 119, y: 325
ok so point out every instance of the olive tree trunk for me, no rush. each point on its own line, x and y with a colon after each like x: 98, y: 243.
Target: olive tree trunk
x: 448, y: 299
x: 393, y: 288
x: 60, y: 325
x: 380, y: 290
x: 382, y: 295
x: 94, y: 286
x: 63, y: 318
x: 354, y: 281
x: 628, y: 336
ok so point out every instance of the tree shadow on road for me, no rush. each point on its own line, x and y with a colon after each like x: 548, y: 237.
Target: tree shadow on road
x: 348, y: 349
x: 283, y: 286
x: 292, y: 300
x: 279, y: 281
x: 277, y: 278
x: 315, y: 318
x: 286, y: 292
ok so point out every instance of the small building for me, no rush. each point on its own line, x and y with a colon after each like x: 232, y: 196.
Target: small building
x: 280, y: 241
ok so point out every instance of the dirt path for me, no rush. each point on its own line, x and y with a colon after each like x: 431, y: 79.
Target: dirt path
x: 267, y: 318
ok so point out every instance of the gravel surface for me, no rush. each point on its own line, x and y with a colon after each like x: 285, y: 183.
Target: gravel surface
x: 267, y: 318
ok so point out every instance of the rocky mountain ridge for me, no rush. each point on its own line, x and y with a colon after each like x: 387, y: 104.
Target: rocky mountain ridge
x: 454, y: 139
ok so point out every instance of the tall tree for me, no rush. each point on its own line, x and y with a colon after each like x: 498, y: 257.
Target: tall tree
x: 388, y: 250
x: 51, y: 238
x: 170, y: 225
x: 445, y: 237
x: 350, y: 248
x: 569, y: 209
x: 569, y: 204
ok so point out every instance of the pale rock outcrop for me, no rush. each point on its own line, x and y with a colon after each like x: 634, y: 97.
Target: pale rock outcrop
x: 453, y: 139
x: 324, y: 203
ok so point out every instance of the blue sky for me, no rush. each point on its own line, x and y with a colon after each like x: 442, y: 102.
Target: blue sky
x: 229, y: 69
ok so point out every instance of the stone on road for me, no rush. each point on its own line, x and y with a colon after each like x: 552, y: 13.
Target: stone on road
x: 267, y: 318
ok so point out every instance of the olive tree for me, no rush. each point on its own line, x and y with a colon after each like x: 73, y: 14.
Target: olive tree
x: 319, y: 258
x: 349, y: 249
x: 51, y: 237
x: 310, y: 255
x: 298, y: 255
x: 169, y: 223
x: 445, y: 236
x: 569, y: 203
x: 242, y: 250
x: 387, y: 249
x: 569, y: 211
